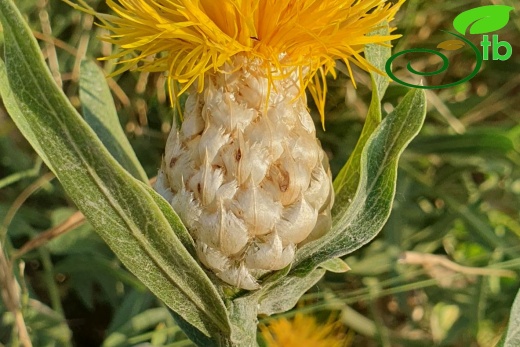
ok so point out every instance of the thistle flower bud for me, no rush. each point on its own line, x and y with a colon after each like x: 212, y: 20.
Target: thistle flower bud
x: 246, y: 173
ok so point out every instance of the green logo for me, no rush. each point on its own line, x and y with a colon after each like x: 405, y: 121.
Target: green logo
x: 480, y: 20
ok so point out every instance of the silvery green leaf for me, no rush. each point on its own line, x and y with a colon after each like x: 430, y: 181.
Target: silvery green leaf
x: 359, y: 222
x: 346, y: 181
x: 377, y: 55
x: 336, y: 265
x: 194, y: 334
x: 175, y: 222
x: 511, y: 337
x: 285, y: 293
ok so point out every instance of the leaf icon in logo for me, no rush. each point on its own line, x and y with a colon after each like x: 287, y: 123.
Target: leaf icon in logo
x: 483, y: 19
x: 451, y: 45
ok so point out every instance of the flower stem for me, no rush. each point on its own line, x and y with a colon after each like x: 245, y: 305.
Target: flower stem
x: 244, y: 321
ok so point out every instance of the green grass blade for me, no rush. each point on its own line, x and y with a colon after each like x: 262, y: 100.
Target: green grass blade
x: 119, y: 207
x: 139, y: 323
x: 482, y: 142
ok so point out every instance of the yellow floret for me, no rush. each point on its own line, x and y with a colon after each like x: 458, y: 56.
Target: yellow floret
x: 188, y: 38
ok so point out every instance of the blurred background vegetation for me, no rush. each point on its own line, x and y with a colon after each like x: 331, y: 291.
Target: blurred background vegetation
x: 443, y: 272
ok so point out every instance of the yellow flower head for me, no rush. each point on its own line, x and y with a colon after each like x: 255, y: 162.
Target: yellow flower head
x: 189, y: 38
x: 303, y: 330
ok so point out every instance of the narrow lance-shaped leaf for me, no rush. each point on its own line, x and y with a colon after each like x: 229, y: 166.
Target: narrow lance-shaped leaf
x: 285, y: 294
x: 361, y: 221
x: 100, y: 113
x: 336, y: 265
x: 511, y: 337
x: 347, y: 179
x: 119, y: 207
x: 377, y: 55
